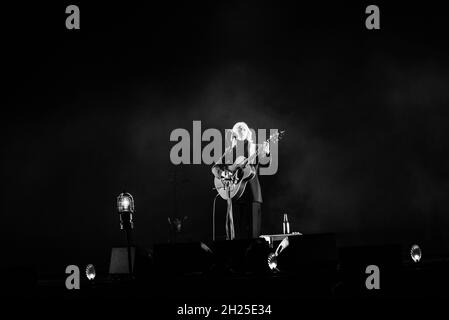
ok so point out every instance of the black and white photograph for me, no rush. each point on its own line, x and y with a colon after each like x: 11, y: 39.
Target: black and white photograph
x: 225, y: 159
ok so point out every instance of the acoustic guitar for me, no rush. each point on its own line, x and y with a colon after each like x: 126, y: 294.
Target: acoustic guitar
x: 234, y: 177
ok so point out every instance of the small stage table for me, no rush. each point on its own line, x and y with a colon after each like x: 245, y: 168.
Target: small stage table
x: 271, y: 238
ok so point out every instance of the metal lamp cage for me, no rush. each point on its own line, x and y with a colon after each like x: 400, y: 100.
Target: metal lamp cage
x: 125, y: 203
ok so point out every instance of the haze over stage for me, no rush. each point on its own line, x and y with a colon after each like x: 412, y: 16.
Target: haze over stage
x: 88, y: 114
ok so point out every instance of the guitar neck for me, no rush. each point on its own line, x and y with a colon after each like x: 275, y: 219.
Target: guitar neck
x: 273, y: 137
x: 259, y: 150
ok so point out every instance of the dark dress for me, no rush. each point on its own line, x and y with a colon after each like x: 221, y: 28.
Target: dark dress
x: 247, y: 209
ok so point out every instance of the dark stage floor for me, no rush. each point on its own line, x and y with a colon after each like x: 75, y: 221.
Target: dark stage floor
x: 187, y: 274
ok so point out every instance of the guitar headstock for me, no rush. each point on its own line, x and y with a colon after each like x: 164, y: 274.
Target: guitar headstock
x: 275, y: 137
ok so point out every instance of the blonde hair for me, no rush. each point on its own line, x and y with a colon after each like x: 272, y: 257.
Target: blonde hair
x: 249, y: 135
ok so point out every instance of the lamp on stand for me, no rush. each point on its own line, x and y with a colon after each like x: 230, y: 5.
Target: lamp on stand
x: 125, y: 208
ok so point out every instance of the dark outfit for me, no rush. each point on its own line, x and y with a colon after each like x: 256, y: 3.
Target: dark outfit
x: 247, y: 209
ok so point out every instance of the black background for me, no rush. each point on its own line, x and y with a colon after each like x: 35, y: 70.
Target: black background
x: 88, y: 113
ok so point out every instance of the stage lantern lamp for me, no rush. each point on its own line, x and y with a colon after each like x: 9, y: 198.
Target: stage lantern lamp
x: 90, y: 272
x: 415, y: 253
x: 125, y: 207
x: 125, y: 203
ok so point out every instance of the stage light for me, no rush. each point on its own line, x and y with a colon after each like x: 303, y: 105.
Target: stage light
x: 125, y: 207
x: 415, y: 253
x: 90, y: 272
x: 273, y: 257
x: 183, y: 258
x: 125, y: 203
x: 272, y: 261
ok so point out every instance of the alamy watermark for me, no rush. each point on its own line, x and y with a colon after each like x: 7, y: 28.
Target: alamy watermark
x: 189, y: 147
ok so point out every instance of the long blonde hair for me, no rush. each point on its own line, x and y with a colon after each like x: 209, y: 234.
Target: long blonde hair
x: 249, y: 135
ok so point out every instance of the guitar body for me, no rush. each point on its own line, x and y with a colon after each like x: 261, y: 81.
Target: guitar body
x: 236, y: 176
x: 237, y: 184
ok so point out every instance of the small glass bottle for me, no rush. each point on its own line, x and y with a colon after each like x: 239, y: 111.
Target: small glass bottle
x: 285, y: 225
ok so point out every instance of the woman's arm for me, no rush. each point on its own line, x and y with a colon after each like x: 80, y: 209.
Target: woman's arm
x: 217, y: 169
x: 264, y: 158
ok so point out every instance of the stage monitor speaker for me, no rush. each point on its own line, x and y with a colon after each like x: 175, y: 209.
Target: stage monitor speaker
x: 313, y: 252
x: 243, y: 255
x: 182, y: 258
x: 18, y: 280
x: 140, y: 260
